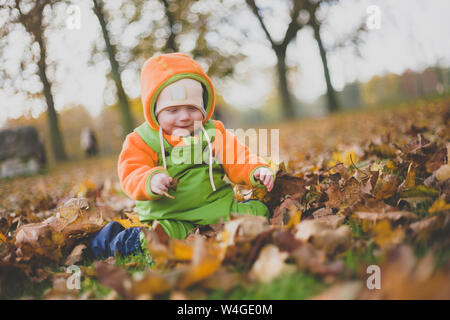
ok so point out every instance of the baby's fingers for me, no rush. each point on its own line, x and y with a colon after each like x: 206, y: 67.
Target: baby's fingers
x: 262, y: 176
x: 166, y: 180
x: 267, y: 179
x: 162, y: 188
x: 270, y: 187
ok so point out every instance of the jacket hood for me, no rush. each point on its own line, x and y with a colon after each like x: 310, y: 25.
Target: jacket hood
x: 162, y: 70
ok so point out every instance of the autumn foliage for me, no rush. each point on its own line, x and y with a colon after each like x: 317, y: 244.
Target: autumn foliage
x: 353, y: 190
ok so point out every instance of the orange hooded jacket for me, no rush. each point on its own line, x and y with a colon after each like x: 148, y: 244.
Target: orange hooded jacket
x: 138, y: 162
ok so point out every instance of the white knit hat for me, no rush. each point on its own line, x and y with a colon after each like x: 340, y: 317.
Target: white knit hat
x: 184, y: 92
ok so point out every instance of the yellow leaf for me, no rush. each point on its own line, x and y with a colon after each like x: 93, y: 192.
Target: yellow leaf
x: 206, y: 259
x: 349, y: 156
x: 410, y: 180
x: 385, y: 236
x: 259, y: 193
x: 84, y: 187
x: 295, y: 218
x: 128, y: 223
x: 391, y: 165
x: 336, y: 157
x: 2, y: 238
x: 135, y: 219
x: 438, y: 206
x: 367, y: 225
x: 181, y: 250
x: 344, y: 157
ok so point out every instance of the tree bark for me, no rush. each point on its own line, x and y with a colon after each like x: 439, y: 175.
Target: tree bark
x: 280, y: 48
x: 123, y: 104
x: 171, y: 45
x: 333, y: 103
x: 56, y: 138
x: 286, y: 99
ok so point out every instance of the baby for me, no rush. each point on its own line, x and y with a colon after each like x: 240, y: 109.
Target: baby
x: 179, y: 141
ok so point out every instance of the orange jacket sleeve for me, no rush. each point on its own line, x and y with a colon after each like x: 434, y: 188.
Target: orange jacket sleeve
x: 237, y: 160
x: 136, y: 166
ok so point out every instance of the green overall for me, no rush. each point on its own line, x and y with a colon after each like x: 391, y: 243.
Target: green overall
x: 195, y: 202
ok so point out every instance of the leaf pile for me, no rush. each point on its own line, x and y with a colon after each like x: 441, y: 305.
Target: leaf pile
x: 352, y: 190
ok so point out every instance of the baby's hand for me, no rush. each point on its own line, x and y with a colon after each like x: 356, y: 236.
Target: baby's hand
x: 160, y: 183
x: 265, y: 176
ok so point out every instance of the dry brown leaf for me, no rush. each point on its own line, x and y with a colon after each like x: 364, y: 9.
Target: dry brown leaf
x: 322, y: 236
x: 341, y: 291
x: 149, y: 283
x: 347, y: 195
x: 385, y: 187
x: 270, y: 264
x: 288, y: 214
x: 391, y: 215
x: 245, y: 228
x: 326, y: 215
x: 76, y: 255
x: 403, y: 277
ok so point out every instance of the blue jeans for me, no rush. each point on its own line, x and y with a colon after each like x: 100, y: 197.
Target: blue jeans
x: 114, y: 238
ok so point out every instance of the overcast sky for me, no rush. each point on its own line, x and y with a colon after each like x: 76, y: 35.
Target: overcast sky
x: 413, y: 34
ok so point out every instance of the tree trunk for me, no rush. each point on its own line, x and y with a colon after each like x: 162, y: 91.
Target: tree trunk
x: 286, y: 99
x: 56, y: 138
x: 333, y: 104
x: 124, y: 107
x: 171, y: 45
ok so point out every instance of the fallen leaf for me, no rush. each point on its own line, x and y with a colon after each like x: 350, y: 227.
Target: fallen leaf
x: 385, y: 187
x: 245, y: 228
x: 341, y: 291
x: 326, y: 215
x: 288, y: 214
x: 2, y: 238
x: 438, y: 206
x: 410, y: 180
x: 347, y: 195
x: 404, y: 277
x: 270, y: 264
x: 76, y: 255
x: 391, y: 215
x: 206, y: 260
x: 322, y: 236
x: 386, y: 236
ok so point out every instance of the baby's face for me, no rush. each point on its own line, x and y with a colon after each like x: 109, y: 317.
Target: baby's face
x: 179, y: 120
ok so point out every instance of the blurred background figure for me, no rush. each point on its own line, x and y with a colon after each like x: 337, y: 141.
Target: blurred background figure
x: 88, y: 142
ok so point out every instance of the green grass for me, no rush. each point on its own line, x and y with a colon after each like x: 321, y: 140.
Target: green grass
x: 357, y: 257
x: 143, y: 261
x: 24, y: 289
x: 132, y: 263
x: 289, y: 287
